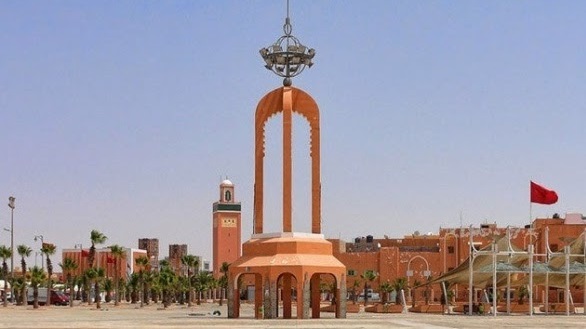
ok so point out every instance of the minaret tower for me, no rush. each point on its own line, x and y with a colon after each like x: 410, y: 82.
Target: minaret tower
x: 226, y: 228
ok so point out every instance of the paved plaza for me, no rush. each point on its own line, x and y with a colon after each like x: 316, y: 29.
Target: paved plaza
x: 153, y: 316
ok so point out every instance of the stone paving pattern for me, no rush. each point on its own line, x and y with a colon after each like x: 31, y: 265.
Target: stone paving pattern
x: 154, y: 316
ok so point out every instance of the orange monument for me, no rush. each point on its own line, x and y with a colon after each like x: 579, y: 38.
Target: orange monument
x: 287, y: 267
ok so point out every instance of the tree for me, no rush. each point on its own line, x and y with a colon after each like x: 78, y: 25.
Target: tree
x: 24, y: 251
x: 142, y: 263
x: 38, y: 276
x: 118, y: 254
x: 68, y: 266
x: 96, y: 275
x: 354, y: 289
x: 5, y: 253
x: 96, y: 237
x: 522, y: 293
x: 108, y: 287
x: 223, y: 282
x: 416, y: 285
x: 48, y: 250
x: 385, y: 288
x: 191, y: 262
x: 18, y: 286
x: 368, y: 277
x: 132, y: 287
x: 202, y: 283
x: 167, y: 279
x: 398, y: 285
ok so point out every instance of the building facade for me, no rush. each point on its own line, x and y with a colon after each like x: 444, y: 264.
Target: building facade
x: 176, y: 253
x: 151, y: 246
x: 422, y: 257
x: 106, y: 260
x: 227, y: 228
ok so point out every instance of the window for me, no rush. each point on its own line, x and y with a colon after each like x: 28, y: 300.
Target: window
x: 450, y: 249
x: 351, y: 272
x: 228, y: 195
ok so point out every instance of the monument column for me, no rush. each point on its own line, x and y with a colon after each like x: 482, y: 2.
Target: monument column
x: 287, y: 159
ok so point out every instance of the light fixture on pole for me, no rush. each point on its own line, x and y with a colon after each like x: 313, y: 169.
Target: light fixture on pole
x: 287, y: 57
x: 11, y: 200
x: 37, y: 238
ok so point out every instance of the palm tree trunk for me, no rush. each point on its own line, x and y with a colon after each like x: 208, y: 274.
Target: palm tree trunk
x: 98, y: 299
x: 141, y: 291
x: 36, y: 297
x: 189, y: 293
x: 5, y: 290
x: 117, y: 283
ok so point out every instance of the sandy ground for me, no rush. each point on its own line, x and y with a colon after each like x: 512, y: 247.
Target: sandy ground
x: 154, y: 316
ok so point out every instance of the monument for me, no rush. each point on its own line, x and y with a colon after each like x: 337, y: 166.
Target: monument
x: 287, y: 267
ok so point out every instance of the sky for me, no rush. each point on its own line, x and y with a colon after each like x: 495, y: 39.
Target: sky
x: 125, y: 116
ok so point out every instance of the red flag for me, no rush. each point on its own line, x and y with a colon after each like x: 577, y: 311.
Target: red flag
x: 110, y: 260
x: 85, y: 253
x: 540, y: 194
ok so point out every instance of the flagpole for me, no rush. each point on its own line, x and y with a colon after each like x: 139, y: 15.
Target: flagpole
x: 530, y: 214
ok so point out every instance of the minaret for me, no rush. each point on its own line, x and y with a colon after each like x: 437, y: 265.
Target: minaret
x: 226, y: 228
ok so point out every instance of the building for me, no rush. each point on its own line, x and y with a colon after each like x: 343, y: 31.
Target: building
x: 104, y: 259
x: 152, y: 248
x: 176, y: 253
x: 421, y: 257
x: 226, y: 232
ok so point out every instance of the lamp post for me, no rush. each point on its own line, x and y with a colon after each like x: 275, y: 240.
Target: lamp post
x: 11, y: 200
x: 37, y: 238
x: 287, y: 57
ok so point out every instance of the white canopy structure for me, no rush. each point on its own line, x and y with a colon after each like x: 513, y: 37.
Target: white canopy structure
x: 504, y: 265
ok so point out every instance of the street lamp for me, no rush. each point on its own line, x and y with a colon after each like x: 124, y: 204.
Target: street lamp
x: 37, y: 238
x: 287, y: 57
x: 11, y: 200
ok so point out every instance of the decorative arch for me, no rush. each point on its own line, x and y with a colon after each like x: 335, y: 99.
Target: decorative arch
x: 287, y: 100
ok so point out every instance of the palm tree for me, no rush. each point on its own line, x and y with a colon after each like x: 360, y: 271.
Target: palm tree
x: 354, y: 288
x: 119, y: 253
x: 212, y: 286
x: 97, y: 276
x: 167, y: 279
x: 191, y: 262
x: 154, y: 286
x: 38, y: 276
x: 96, y: 237
x: 69, y: 266
x: 181, y: 288
x: 18, y: 286
x: 24, y: 251
x: 202, y: 283
x: 132, y: 287
x: 385, y: 288
x: 416, y: 285
x: 5, y: 253
x: 398, y: 285
x: 223, y: 282
x: 86, y: 284
x: 48, y: 250
x: 108, y: 287
x: 90, y: 274
x: 368, y: 276
x: 142, y: 263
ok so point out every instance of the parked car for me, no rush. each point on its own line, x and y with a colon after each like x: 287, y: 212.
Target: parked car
x: 57, y: 297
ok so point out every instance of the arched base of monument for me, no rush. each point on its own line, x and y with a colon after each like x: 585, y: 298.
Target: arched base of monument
x: 282, y: 270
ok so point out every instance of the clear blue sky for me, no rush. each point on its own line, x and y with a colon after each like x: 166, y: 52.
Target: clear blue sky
x: 124, y: 116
